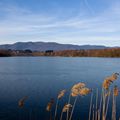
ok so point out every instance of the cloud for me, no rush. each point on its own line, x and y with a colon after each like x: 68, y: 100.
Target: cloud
x: 20, y: 23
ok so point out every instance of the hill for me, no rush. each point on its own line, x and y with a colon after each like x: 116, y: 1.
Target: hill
x: 43, y: 46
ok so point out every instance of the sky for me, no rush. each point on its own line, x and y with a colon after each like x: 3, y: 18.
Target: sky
x: 81, y: 22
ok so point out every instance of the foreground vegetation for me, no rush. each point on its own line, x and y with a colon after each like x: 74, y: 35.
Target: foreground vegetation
x: 111, y: 52
x: 98, y: 109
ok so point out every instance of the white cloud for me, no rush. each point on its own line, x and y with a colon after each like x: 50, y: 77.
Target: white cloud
x: 22, y: 24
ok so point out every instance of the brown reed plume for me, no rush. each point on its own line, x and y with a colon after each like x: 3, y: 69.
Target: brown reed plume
x: 84, y: 91
x: 60, y: 95
x: 74, y: 93
x: 107, y: 82
x: 78, y: 90
x: 115, y: 94
x: 116, y: 90
x: 21, y: 102
x: 65, y: 109
x: 106, y: 85
x: 49, y: 107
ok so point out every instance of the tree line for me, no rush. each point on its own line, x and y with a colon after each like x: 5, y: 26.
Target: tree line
x: 111, y: 52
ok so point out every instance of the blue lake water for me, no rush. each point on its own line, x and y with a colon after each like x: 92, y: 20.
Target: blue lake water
x: 41, y: 78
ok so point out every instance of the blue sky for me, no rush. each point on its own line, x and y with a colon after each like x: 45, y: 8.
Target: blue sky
x: 95, y: 22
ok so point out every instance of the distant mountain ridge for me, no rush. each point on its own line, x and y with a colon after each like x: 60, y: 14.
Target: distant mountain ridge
x: 43, y: 46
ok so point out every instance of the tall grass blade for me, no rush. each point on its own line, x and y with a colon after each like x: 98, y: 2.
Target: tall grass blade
x: 56, y: 109
x: 104, y: 104
x: 73, y: 108
x: 108, y: 99
x: 93, y: 117
x: 90, y: 105
x: 100, y: 106
x: 61, y: 115
x: 68, y: 110
x: 96, y: 111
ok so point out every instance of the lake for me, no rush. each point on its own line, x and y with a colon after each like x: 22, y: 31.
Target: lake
x: 41, y: 78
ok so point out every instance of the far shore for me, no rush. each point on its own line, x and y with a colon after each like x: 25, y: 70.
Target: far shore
x: 111, y: 52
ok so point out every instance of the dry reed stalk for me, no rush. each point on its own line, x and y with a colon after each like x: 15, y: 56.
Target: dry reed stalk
x: 106, y: 84
x: 21, y: 103
x: 56, y: 109
x: 113, y: 108
x: 50, y: 115
x: 108, y: 99
x: 65, y: 109
x: 104, y: 105
x: 73, y: 108
x: 78, y: 89
x: 60, y: 95
x: 61, y: 115
x: 75, y: 91
x: 114, y: 103
x: 96, y: 113
x: 49, y: 107
x: 93, y: 117
x: 90, y: 106
x: 68, y: 110
x: 115, y: 94
x: 100, y: 106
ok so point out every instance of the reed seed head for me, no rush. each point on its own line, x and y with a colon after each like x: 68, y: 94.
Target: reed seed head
x: 107, y: 82
x: 78, y: 86
x: 116, y: 91
x: 75, y: 92
x: 61, y: 94
x: 49, y: 105
x: 66, y: 107
x: 21, y: 102
x: 114, y: 76
x: 84, y: 91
